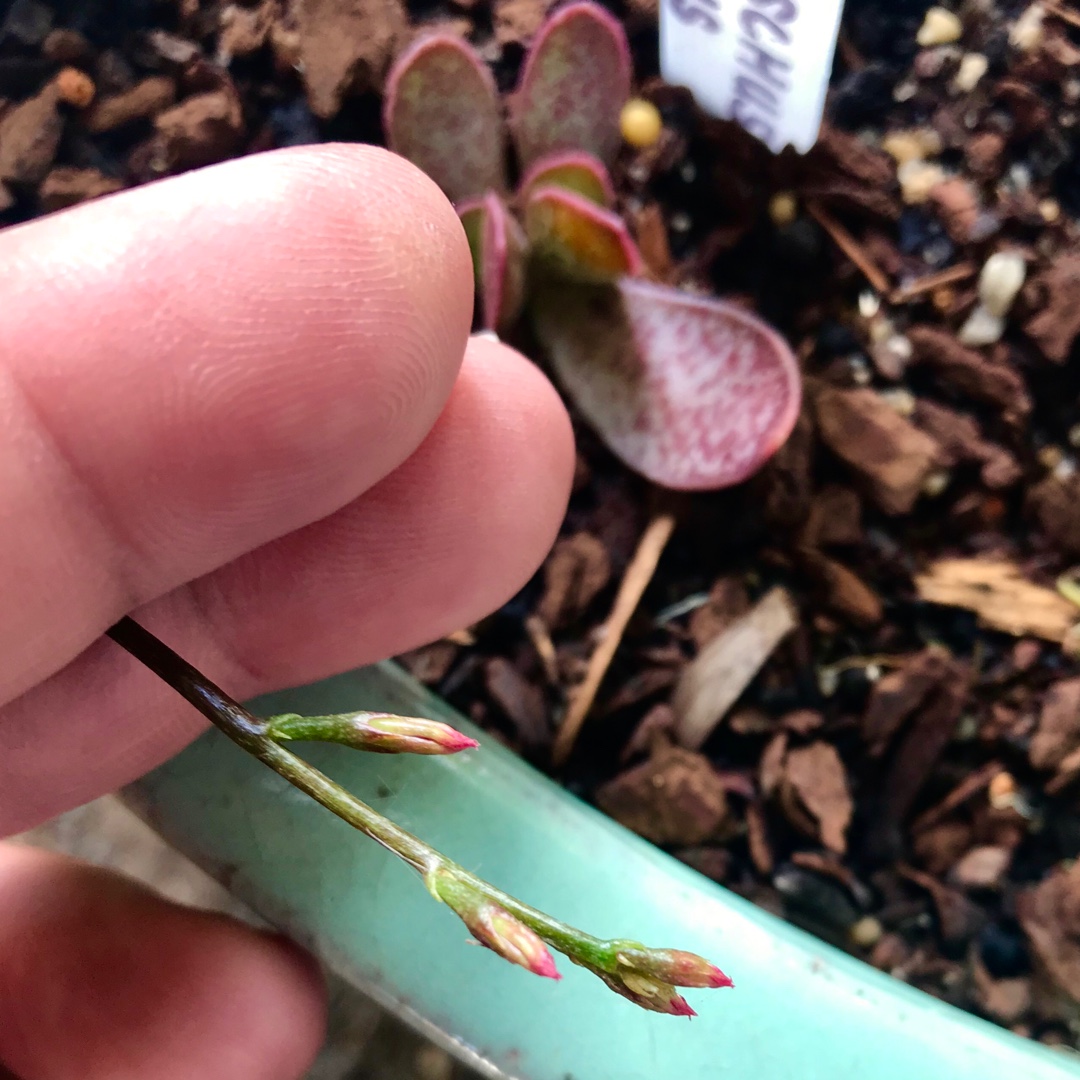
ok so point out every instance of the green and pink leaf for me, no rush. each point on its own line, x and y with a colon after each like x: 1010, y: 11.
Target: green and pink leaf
x: 442, y: 112
x: 574, y: 82
x: 692, y: 393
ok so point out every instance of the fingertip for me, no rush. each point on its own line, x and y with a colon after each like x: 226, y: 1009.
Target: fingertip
x: 101, y: 979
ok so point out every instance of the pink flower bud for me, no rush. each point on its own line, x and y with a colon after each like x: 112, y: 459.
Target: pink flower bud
x: 378, y: 733
x: 673, y: 966
x: 496, y: 928
x: 415, y: 735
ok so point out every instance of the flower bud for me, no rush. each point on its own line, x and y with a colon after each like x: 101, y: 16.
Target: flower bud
x: 379, y: 733
x: 493, y: 926
x: 673, y: 966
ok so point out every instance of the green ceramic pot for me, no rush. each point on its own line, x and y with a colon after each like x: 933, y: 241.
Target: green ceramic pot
x: 800, y: 1010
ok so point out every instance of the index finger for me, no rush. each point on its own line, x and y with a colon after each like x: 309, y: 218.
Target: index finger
x: 194, y: 368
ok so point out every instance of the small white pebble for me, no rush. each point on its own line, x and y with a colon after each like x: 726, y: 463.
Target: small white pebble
x: 936, y: 482
x: 865, y: 933
x: 860, y: 371
x: 903, y: 401
x: 828, y: 681
x: 687, y: 172
x: 1070, y: 91
x: 881, y: 329
x: 905, y: 91
x: 982, y: 327
x: 1027, y: 32
x: 1050, y: 209
x: 1020, y: 176
x: 1050, y: 457
x: 891, y: 356
x: 1000, y: 280
x: 681, y: 222
x: 940, y: 26
x: 869, y: 303
x: 1065, y: 468
x: 917, y: 179
x: 972, y: 68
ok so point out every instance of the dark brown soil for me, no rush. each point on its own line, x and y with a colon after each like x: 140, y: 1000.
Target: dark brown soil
x: 897, y: 773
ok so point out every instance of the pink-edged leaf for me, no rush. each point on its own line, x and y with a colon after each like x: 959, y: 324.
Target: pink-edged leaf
x: 574, y: 82
x: 573, y: 170
x: 695, y: 394
x: 577, y: 239
x: 442, y: 112
x: 498, y: 249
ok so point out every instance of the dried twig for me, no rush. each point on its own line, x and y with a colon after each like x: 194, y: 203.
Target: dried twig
x: 951, y: 275
x: 634, y: 583
x: 850, y: 247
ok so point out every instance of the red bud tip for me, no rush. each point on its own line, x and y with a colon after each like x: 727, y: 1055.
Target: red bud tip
x: 678, y: 1006
x: 719, y: 979
x: 513, y: 940
x: 454, y: 741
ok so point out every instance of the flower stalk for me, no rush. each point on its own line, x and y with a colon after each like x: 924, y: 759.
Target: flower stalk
x: 514, y: 930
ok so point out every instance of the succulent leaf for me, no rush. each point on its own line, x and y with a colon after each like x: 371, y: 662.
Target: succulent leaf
x: 574, y: 82
x: 576, y: 239
x: 573, y: 170
x: 498, y: 249
x: 695, y: 394
x: 442, y: 112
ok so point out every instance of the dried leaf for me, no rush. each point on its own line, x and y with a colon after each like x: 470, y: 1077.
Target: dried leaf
x: 442, y: 112
x: 713, y: 681
x: 694, y: 394
x: 1000, y: 595
x: 574, y: 82
x: 817, y: 776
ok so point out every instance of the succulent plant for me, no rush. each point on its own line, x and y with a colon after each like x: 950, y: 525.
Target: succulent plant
x: 693, y: 393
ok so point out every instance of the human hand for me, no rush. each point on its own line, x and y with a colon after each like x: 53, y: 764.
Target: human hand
x: 233, y: 403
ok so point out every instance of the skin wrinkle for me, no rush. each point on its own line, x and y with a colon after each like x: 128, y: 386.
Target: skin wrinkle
x: 281, y: 473
x: 449, y: 536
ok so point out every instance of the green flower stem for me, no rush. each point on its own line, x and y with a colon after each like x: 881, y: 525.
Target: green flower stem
x: 250, y: 733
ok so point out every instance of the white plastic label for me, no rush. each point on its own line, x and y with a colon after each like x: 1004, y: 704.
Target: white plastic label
x: 762, y: 63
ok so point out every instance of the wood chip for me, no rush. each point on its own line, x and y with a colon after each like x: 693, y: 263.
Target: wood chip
x: 713, y: 681
x: 675, y: 798
x: 575, y: 571
x: 1058, y: 733
x: 998, y: 592
x: 816, y: 775
x: 889, y: 452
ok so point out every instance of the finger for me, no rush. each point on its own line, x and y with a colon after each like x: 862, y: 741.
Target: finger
x: 102, y: 980
x: 439, y: 543
x: 198, y: 366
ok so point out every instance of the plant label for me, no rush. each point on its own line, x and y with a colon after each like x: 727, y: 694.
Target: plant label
x: 762, y: 63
